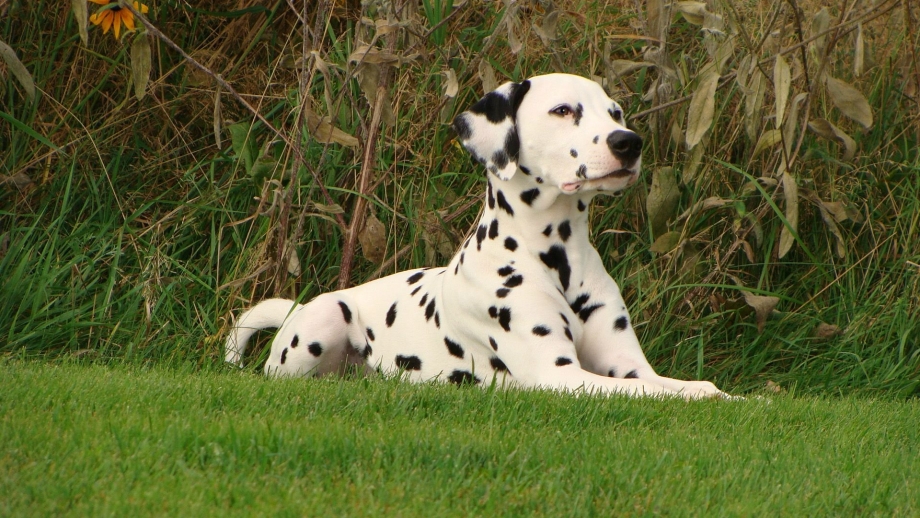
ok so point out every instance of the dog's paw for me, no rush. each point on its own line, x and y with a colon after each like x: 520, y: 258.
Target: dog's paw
x: 703, y: 390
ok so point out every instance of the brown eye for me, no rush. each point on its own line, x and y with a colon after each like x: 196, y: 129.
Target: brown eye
x: 561, y: 111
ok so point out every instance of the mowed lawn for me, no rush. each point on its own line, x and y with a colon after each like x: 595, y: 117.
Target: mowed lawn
x: 121, y: 440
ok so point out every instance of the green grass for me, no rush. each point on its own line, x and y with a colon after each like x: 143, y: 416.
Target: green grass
x: 120, y: 440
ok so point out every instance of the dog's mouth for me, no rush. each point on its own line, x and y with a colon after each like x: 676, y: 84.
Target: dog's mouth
x: 617, y: 174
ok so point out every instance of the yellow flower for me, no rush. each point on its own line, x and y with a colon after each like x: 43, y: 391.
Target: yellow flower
x: 115, y: 16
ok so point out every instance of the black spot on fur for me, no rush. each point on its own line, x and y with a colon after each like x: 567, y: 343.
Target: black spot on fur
x: 429, y: 311
x: 502, y: 292
x: 562, y: 360
x: 493, y: 229
x: 295, y: 341
x: 315, y: 349
x: 585, y: 312
x: 582, y: 171
x: 409, y: 363
x: 524, y: 170
x: 564, y: 319
x: 579, y: 113
x: 284, y: 356
x: 574, y: 153
x: 457, y: 269
x: 370, y: 333
x: 505, y: 271
x: 462, y: 255
x: 497, y: 364
x: 367, y: 351
x: 631, y: 375
x: 514, y: 281
x: 503, y: 203
x: 500, y: 159
x: 612, y: 373
x: 493, y: 343
x: 453, y: 348
x: 423, y: 300
x: 581, y: 206
x: 346, y: 313
x: 596, y: 138
x: 490, y: 198
x: 415, y: 290
x: 579, y: 302
x: 480, y: 235
x: 621, y: 324
x: 437, y: 320
x: 503, y: 315
x: 568, y: 334
x: 415, y: 277
x: 462, y: 377
x: 462, y: 127
x: 510, y: 243
x: 391, y: 315
x: 565, y: 230
x: 555, y: 258
x: 548, y: 230
x: 540, y: 330
x: 530, y: 195
x: 539, y: 180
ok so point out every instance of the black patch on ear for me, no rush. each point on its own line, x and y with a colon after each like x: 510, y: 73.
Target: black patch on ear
x: 295, y: 341
x: 512, y: 146
x: 490, y: 198
x: 579, y: 113
x: 453, y: 348
x: 497, y: 364
x: 510, y: 243
x: 631, y: 375
x: 370, y: 333
x: 514, y: 281
x: 462, y: 127
x: 429, y: 311
x: 415, y: 277
x: 495, y: 106
x: 284, y: 356
x: 548, y: 230
x: 540, y: 330
x: 503, y: 203
x: 581, y: 206
x: 493, y: 343
x: 555, y: 258
x: 500, y: 158
x: 481, y: 234
x: 505, y: 271
x: 462, y: 377
x: 346, y: 313
x: 315, y: 349
x: 518, y: 91
x: 530, y: 195
x: 562, y: 361
x: 502, y: 292
x: 565, y: 230
x: 582, y: 171
x: 391, y: 315
x: 493, y: 229
x: 409, y: 363
x: 621, y: 324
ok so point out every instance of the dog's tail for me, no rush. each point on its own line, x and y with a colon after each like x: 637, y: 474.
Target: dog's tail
x: 266, y: 314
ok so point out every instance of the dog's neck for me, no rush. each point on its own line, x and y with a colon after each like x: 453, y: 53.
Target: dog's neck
x: 532, y: 212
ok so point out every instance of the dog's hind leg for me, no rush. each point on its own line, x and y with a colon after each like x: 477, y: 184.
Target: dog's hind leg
x: 315, y: 339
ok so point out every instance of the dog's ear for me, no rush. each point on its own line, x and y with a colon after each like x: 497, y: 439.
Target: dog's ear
x: 488, y: 130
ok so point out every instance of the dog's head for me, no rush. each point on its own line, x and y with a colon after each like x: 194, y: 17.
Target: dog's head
x: 558, y: 128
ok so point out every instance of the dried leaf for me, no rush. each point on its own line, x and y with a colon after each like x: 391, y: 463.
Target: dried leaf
x: 692, y: 168
x: 140, y: 64
x: 831, y: 132
x: 373, y: 239
x: 840, y: 245
x: 850, y: 101
x: 547, y: 30
x: 366, y: 54
x: 335, y: 208
x: 665, y: 243
x: 782, y: 81
x: 323, y: 131
x: 293, y: 262
x: 625, y: 67
x: 753, y: 100
x: 791, y: 194
x: 769, y: 139
x: 20, y: 72
x: 450, y: 84
x: 820, y: 23
x: 218, y: 119
x: 702, y: 108
x: 859, y: 54
x: 487, y: 76
x: 842, y: 211
x: 658, y: 19
x: 792, y: 121
x: 763, y: 307
x: 773, y: 387
x: 824, y: 331
x: 661, y: 203
x: 80, y: 13
x: 693, y: 12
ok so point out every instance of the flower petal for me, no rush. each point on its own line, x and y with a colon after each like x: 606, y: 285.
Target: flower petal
x: 118, y: 16
x: 107, y: 18
x: 128, y: 20
x: 94, y: 19
x: 143, y: 8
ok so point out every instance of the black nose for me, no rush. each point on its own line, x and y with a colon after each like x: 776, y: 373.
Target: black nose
x: 625, y: 145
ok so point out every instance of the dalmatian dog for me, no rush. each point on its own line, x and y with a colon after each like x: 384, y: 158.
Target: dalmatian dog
x: 526, y: 300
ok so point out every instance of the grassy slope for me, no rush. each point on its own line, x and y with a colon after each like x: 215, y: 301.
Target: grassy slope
x: 121, y: 440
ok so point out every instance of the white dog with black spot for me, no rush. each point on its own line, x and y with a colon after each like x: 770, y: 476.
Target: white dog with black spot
x: 526, y: 300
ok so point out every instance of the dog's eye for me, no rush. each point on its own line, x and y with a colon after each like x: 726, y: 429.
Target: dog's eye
x: 562, y: 111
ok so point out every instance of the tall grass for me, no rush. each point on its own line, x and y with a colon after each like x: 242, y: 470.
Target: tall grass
x: 155, y: 219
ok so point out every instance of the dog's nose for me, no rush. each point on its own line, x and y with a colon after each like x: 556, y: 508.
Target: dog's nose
x: 625, y: 145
